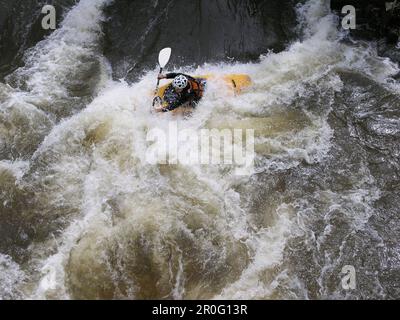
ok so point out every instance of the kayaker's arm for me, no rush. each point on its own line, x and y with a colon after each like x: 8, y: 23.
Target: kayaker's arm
x: 168, y: 75
x: 173, y: 75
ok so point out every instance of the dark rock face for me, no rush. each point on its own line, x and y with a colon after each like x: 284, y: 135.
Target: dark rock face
x: 20, y: 28
x: 376, y: 19
x: 198, y: 31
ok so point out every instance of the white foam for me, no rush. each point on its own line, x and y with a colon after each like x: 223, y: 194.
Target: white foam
x: 50, y: 65
x: 99, y: 172
x: 18, y: 168
x: 11, y: 277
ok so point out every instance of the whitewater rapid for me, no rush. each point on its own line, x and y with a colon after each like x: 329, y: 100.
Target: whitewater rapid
x: 108, y: 225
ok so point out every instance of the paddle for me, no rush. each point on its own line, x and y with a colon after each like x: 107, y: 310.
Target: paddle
x: 163, y: 59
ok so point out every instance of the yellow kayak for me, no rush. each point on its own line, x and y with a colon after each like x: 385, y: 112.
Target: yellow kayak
x: 235, y: 82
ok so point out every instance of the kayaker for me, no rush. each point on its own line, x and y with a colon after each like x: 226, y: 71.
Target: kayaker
x: 184, y: 90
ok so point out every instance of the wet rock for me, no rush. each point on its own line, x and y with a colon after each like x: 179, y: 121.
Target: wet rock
x: 375, y: 18
x: 198, y: 31
x: 20, y: 29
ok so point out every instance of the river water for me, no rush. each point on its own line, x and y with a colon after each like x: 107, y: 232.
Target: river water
x: 84, y: 216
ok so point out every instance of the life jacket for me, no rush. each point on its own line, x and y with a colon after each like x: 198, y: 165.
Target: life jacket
x: 197, y: 87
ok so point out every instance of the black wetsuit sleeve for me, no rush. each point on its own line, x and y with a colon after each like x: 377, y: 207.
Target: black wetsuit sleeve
x: 172, y: 75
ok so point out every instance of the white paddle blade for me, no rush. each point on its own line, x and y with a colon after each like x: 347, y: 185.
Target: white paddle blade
x: 164, y: 56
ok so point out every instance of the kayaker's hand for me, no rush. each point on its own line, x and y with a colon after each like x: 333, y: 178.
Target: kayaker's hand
x: 161, y: 76
x: 159, y: 109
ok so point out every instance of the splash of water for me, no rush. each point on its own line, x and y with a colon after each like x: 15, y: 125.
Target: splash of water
x: 119, y: 227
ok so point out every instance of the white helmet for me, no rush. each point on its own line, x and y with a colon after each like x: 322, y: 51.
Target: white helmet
x: 180, y: 82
